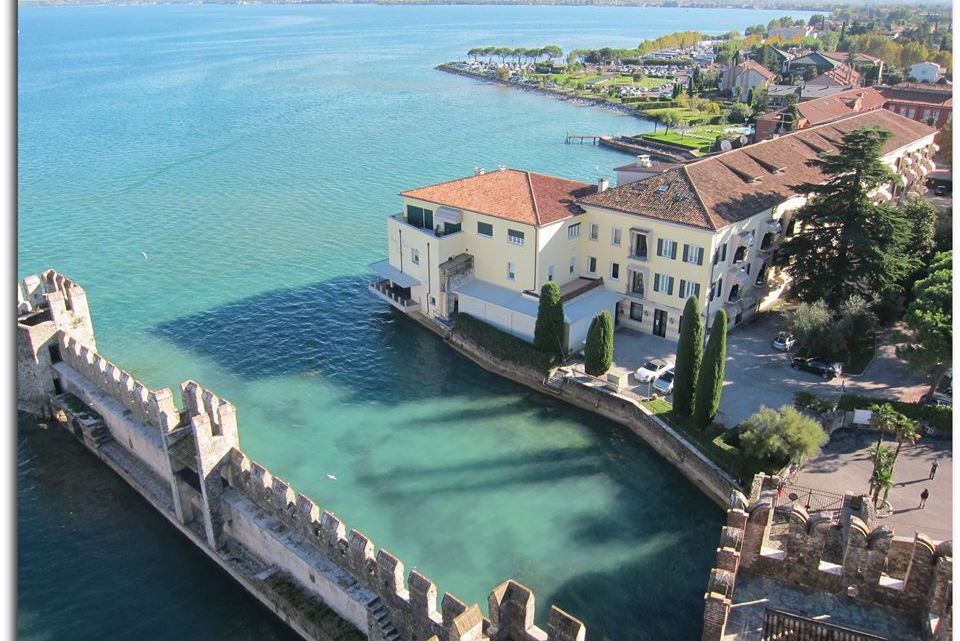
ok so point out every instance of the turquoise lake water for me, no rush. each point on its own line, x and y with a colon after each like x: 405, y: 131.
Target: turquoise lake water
x: 253, y: 153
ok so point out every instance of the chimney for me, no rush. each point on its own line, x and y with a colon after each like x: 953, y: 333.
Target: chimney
x: 501, y: 168
x: 602, y: 185
x: 478, y: 171
x: 644, y: 161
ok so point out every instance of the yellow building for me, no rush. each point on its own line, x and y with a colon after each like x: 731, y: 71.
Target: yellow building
x: 485, y: 244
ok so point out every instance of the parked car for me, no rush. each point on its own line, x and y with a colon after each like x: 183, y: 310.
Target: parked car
x: 940, y: 190
x: 664, y: 383
x: 937, y: 398
x: 650, y: 370
x: 820, y: 366
x: 784, y: 341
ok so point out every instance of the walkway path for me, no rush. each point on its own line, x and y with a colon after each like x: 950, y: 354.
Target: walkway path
x: 845, y: 465
x: 888, y: 376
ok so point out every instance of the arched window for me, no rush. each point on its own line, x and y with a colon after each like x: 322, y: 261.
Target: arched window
x: 767, y: 240
x: 740, y: 254
x: 762, y: 273
x: 734, y: 292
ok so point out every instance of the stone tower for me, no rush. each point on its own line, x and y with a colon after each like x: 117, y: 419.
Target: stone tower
x: 46, y: 305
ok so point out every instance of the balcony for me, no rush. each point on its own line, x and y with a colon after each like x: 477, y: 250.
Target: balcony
x: 441, y: 229
x: 399, y: 297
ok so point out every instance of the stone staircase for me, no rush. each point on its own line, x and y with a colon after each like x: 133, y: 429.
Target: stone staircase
x: 100, y: 434
x: 381, y: 618
x: 555, y: 380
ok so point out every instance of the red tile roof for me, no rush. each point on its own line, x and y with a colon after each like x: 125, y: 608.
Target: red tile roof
x: 839, y: 105
x: 919, y: 93
x: 843, y: 75
x: 716, y: 191
x: 522, y: 196
x: 846, y: 56
x: 759, y: 68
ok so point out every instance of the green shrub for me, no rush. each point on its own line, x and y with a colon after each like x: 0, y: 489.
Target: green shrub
x: 938, y: 416
x: 503, y: 345
x: 781, y: 434
x: 598, y: 354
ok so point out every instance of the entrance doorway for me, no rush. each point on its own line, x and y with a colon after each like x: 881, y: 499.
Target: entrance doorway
x: 659, y: 322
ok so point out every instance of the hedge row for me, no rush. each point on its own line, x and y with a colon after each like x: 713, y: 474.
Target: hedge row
x: 938, y: 416
x: 505, y: 346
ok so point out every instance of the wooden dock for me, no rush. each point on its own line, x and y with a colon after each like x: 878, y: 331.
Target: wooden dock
x: 571, y: 138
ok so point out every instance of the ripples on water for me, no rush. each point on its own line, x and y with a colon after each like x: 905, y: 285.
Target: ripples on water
x: 253, y: 152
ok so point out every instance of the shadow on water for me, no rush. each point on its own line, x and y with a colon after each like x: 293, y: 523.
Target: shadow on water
x: 334, y: 329
x: 664, y: 528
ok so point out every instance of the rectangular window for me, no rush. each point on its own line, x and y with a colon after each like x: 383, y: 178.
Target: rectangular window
x: 514, y: 237
x: 716, y: 290
x: 573, y: 231
x: 636, y: 284
x: 614, y: 271
x: 663, y: 284
x: 693, y: 254
x: 720, y: 254
x: 415, y: 256
x: 573, y: 264
x: 913, y: 113
x: 638, y: 247
x: 485, y: 229
x: 636, y: 311
x: 688, y: 288
x: 594, y: 231
x: 550, y: 272
x: 592, y: 265
x: 666, y: 248
x: 617, y: 234
x: 420, y: 217
x: 926, y: 114
x: 511, y: 274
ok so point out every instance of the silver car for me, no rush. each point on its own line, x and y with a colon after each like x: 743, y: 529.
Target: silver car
x: 650, y: 370
x: 784, y: 341
x: 664, y: 383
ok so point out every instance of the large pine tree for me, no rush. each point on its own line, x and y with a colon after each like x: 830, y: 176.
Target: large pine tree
x: 846, y: 242
x: 689, y: 353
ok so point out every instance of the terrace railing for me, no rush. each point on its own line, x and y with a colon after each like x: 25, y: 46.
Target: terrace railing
x: 781, y: 625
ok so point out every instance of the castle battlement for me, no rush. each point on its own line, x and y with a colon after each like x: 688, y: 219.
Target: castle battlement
x: 410, y: 597
x: 856, y: 568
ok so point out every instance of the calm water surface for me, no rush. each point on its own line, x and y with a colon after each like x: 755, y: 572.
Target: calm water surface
x: 252, y: 153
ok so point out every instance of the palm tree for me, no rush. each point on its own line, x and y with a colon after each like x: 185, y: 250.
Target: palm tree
x: 882, y: 479
x: 882, y: 475
x: 884, y: 420
x: 907, y: 432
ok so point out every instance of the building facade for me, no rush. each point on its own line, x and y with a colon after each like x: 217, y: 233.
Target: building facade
x: 484, y: 245
x: 926, y: 72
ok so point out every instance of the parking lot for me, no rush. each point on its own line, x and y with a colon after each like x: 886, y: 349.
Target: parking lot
x: 756, y: 374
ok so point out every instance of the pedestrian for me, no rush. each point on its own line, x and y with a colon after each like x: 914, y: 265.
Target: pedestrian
x: 923, y: 497
x: 934, y: 468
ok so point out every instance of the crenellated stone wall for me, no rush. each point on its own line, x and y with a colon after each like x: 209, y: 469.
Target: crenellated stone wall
x: 923, y: 592
x: 238, y: 511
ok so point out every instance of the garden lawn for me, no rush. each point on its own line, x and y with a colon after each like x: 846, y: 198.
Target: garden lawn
x: 713, y: 443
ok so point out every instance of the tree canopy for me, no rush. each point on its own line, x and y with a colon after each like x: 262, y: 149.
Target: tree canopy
x: 598, y: 354
x: 781, y: 434
x: 930, y: 316
x: 847, y: 243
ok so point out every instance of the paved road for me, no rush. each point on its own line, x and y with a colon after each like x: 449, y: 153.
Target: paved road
x: 845, y: 465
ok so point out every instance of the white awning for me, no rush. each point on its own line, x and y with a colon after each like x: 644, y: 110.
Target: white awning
x: 394, y: 275
x: 449, y: 215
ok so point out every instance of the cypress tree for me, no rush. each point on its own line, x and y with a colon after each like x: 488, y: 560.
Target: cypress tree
x: 598, y: 354
x: 548, y: 332
x: 689, y: 353
x: 710, y: 380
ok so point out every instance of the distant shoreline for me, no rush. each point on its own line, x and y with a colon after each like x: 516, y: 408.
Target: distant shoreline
x: 769, y: 5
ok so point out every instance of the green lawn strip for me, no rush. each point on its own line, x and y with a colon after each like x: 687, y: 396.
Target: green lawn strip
x: 713, y: 442
x: 854, y: 363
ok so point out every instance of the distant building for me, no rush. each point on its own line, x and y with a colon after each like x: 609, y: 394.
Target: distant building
x: 643, y: 167
x: 926, y: 72
x: 843, y: 76
x: 790, y: 33
x: 817, y: 112
x: 926, y: 103
x: 741, y: 79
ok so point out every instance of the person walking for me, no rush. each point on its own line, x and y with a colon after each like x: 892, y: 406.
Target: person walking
x: 923, y: 497
x: 934, y: 468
